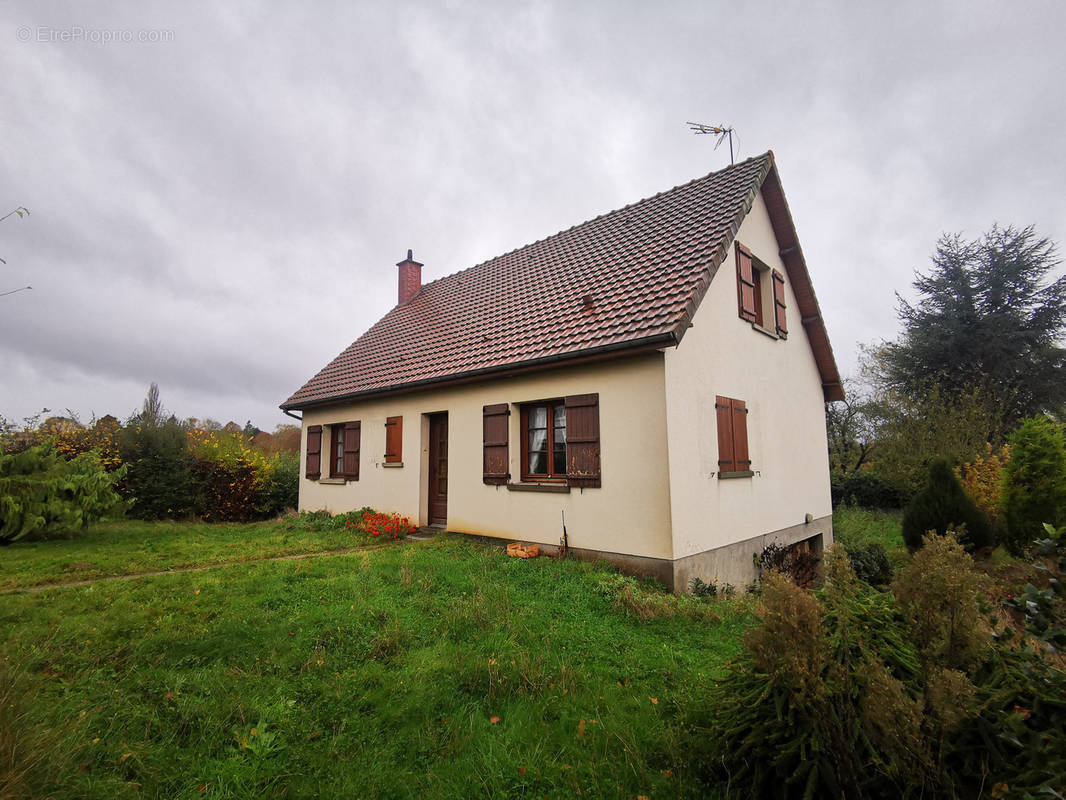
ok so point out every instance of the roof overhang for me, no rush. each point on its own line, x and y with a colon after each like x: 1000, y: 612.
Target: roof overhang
x: 555, y: 361
x: 796, y: 266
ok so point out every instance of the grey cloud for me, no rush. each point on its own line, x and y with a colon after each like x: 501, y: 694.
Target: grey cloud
x: 221, y: 213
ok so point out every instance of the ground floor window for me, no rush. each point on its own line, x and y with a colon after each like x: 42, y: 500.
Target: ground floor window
x: 544, y: 441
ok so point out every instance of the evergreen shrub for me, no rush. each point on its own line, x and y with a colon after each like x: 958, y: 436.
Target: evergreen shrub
x: 849, y: 692
x: 43, y: 495
x: 942, y: 505
x: 159, y: 482
x: 870, y: 562
x: 1034, y: 482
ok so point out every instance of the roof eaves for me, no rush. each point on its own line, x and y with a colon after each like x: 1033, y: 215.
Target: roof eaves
x: 631, y: 347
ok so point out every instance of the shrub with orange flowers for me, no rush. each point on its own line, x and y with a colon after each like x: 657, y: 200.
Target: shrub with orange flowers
x: 375, y: 524
x: 363, y: 522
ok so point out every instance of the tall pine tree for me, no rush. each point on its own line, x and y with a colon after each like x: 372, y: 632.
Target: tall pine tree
x: 990, y: 319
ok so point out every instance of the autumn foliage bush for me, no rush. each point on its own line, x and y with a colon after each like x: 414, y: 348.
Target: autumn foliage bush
x: 233, y: 478
x: 171, y: 469
x: 982, y: 480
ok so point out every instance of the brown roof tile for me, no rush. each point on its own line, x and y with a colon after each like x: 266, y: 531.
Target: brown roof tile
x: 645, y: 266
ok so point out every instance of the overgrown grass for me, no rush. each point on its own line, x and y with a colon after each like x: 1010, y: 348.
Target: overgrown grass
x: 862, y: 526
x: 431, y: 669
x: 131, y: 546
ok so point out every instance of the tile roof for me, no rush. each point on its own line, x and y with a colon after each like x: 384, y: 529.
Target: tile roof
x: 626, y: 279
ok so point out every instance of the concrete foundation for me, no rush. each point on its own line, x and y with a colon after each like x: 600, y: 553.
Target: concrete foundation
x: 733, y: 564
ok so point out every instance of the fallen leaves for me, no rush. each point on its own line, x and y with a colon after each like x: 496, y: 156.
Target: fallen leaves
x: 581, y: 729
x: 494, y: 719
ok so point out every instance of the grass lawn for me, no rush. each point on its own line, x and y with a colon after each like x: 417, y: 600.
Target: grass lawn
x: 424, y: 669
x: 864, y: 526
x: 131, y: 546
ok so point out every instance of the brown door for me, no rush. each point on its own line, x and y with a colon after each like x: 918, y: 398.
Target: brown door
x: 438, y: 469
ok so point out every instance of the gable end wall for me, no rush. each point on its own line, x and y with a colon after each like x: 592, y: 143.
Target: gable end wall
x: 779, y: 381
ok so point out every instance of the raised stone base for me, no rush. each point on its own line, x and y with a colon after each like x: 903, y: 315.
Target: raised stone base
x: 731, y: 564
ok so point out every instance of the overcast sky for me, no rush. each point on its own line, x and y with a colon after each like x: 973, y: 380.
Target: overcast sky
x: 219, y: 194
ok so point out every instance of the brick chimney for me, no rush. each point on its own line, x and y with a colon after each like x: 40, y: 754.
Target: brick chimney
x: 410, y: 279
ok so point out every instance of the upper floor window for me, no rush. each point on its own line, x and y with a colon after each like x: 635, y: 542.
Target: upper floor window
x: 760, y: 293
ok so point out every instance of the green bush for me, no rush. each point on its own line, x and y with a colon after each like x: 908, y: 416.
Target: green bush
x: 1034, y: 482
x: 849, y: 692
x: 42, y: 495
x: 283, y: 484
x: 822, y: 702
x: 942, y: 505
x: 870, y: 562
x: 160, y: 481
x: 865, y: 489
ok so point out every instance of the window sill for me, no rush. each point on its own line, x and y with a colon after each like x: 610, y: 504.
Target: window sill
x: 747, y: 473
x: 764, y: 331
x: 392, y: 464
x: 333, y: 481
x: 559, y: 488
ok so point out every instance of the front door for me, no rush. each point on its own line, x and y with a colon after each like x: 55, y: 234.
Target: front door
x: 438, y: 469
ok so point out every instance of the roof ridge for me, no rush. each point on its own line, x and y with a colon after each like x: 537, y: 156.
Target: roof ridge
x: 767, y: 155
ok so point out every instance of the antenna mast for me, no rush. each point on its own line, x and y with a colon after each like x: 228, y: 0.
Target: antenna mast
x: 720, y: 132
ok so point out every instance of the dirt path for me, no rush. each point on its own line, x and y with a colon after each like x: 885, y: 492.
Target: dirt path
x: 179, y: 570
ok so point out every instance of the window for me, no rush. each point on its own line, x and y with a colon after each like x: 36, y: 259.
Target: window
x: 394, y: 440
x: 560, y: 441
x: 544, y: 441
x: 732, y: 417
x: 344, y: 450
x: 760, y: 289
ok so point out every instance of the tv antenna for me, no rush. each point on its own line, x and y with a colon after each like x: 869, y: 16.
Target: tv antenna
x: 720, y: 132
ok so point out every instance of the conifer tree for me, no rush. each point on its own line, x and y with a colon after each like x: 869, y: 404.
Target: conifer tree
x: 989, y: 319
x: 943, y: 504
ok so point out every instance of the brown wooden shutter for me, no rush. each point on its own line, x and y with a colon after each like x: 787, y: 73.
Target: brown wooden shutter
x: 723, y: 408
x: 739, y: 413
x: 393, y: 440
x: 313, y: 469
x: 780, y: 322
x: 745, y: 284
x: 352, y: 435
x: 583, y: 440
x: 494, y: 426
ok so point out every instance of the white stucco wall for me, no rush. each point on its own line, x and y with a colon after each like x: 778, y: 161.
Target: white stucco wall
x: 778, y: 380
x: 629, y: 514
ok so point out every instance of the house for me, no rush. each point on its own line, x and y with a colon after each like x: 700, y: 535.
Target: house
x: 653, y: 379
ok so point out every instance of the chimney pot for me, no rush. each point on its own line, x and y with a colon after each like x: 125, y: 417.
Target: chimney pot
x: 410, y: 279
